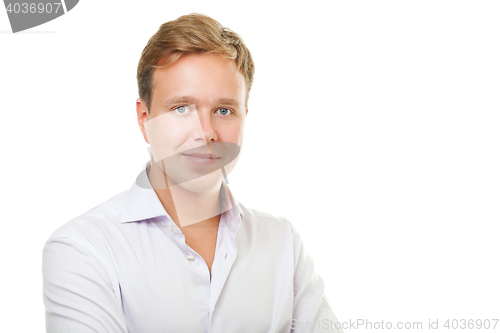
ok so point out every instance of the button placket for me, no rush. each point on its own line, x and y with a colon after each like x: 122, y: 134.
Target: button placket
x: 222, y: 266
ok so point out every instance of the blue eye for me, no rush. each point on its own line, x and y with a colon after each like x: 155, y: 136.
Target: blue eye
x: 224, y: 111
x: 181, y: 109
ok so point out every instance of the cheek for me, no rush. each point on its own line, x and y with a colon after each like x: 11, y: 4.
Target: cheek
x: 233, y: 134
x: 165, y: 136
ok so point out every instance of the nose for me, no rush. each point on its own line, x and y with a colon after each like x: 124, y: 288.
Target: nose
x: 207, y: 126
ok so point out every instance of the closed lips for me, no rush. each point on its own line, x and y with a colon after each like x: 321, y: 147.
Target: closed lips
x: 202, y: 156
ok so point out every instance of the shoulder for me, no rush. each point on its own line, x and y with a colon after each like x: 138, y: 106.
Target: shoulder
x: 84, y: 241
x: 254, y: 215
x: 93, y: 223
x: 265, y: 221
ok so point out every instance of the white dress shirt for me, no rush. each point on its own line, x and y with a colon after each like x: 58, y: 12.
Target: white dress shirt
x: 124, y: 266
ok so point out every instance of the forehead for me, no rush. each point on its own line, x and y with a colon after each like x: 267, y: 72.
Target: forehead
x: 205, y: 76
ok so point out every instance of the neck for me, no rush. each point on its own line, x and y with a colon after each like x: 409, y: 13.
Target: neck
x: 185, y: 207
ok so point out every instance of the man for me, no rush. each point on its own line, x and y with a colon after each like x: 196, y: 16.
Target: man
x: 177, y: 252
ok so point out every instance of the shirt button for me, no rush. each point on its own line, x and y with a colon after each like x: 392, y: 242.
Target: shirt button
x: 170, y: 226
x: 190, y: 257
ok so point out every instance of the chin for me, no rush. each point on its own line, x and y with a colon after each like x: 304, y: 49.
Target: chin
x: 205, y: 183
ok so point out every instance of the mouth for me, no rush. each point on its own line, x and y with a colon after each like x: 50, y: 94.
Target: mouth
x: 203, y: 156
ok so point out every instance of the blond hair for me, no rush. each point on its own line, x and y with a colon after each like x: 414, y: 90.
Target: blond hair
x: 192, y: 33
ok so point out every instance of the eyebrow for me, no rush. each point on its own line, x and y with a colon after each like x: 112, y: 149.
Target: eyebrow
x: 192, y: 100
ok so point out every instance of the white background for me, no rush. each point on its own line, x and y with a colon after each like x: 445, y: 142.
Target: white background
x: 373, y: 126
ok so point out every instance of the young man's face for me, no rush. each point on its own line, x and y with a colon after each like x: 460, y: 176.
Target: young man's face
x: 196, y: 121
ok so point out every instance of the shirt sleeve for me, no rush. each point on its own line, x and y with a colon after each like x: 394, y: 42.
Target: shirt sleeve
x: 77, y: 290
x: 311, y: 309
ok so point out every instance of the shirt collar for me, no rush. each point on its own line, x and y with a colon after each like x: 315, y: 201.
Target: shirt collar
x: 142, y: 203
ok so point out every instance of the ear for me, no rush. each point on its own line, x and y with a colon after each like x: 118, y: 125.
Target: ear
x: 142, y: 116
x: 247, y: 111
